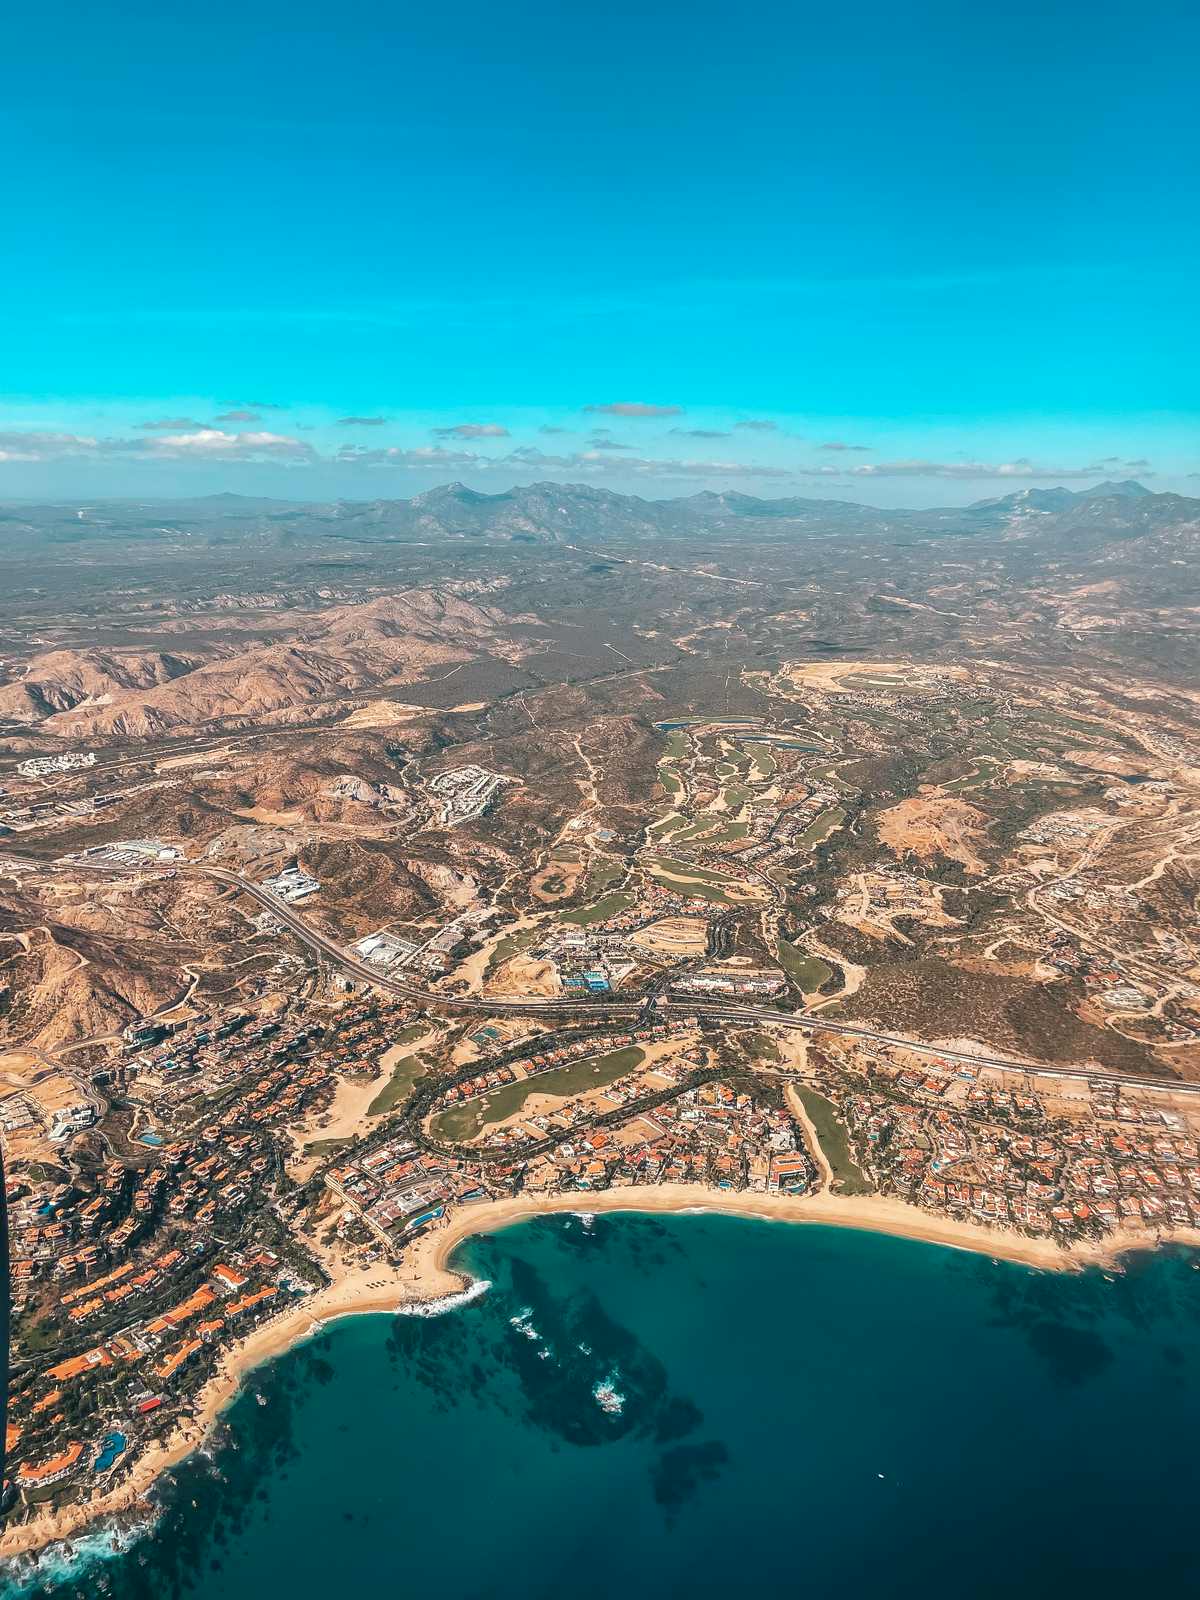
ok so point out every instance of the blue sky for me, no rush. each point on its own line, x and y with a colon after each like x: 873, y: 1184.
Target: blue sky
x: 657, y: 247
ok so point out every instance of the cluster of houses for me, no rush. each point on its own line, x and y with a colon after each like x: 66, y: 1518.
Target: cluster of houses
x: 769, y: 809
x: 123, y: 1294
x: 396, y: 1190
x: 78, y: 1417
x: 558, y: 1055
x: 61, y: 1232
x: 996, y: 1156
x: 572, y: 1112
x: 260, y: 1070
x: 714, y: 1134
x: 466, y: 792
x: 1110, y: 984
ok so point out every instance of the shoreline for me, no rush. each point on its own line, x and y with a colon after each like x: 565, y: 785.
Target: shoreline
x: 866, y: 1213
x: 425, y: 1276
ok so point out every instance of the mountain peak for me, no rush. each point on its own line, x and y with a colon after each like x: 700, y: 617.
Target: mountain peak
x: 1125, y: 488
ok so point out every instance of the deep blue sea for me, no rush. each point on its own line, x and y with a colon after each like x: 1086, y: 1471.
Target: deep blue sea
x: 787, y: 1411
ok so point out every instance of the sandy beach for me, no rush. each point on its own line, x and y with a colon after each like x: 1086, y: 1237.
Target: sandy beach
x: 429, y: 1257
x: 425, y: 1275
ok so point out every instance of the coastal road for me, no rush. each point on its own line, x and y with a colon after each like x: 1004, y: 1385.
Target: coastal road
x: 321, y: 944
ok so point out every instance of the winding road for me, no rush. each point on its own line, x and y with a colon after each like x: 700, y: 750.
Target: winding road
x: 606, y: 1010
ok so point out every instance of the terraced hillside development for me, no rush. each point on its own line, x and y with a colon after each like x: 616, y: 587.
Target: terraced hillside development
x: 551, y: 844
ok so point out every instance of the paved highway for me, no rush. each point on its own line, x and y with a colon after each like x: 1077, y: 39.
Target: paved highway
x: 610, y: 1010
x: 1037, y: 1069
x: 604, y: 1010
x: 335, y: 953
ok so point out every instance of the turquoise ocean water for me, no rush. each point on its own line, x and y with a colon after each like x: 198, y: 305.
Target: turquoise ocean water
x: 701, y: 1406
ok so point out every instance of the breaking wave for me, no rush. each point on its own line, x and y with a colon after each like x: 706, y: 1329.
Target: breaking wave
x: 68, y: 1560
x: 447, y: 1302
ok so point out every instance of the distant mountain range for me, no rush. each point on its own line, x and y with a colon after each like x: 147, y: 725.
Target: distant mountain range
x: 1112, y: 557
x: 571, y: 513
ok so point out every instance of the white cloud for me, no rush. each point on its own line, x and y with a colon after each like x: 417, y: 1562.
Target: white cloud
x: 601, y: 457
x: 198, y: 443
x: 582, y: 463
x: 646, y: 467
x: 420, y: 456
x: 214, y: 444
x: 42, y: 446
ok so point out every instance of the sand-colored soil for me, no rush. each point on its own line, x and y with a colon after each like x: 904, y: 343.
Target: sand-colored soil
x: 541, y: 1103
x: 346, y: 1117
x: 829, y: 676
x: 520, y: 975
x: 797, y: 1108
x: 558, y: 880
x: 929, y: 825
x: 674, y: 936
x: 383, y: 714
x: 472, y: 970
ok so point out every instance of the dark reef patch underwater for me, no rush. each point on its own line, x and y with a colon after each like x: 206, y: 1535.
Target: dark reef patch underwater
x: 695, y: 1407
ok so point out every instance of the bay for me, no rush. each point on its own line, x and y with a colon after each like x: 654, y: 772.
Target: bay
x: 700, y: 1406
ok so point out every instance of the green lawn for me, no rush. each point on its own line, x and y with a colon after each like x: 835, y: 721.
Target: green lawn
x: 761, y: 760
x: 671, y: 781
x: 404, y: 1074
x: 599, y: 911
x: 326, y: 1147
x: 414, y: 1031
x: 512, y: 945
x: 821, y: 826
x: 984, y: 770
x: 593, y: 1072
x: 810, y: 972
x: 602, y: 873
x: 683, y: 869
x: 665, y: 826
x: 696, y: 889
x: 712, y: 830
x: 835, y: 1145
x: 761, y: 1046
x: 828, y: 774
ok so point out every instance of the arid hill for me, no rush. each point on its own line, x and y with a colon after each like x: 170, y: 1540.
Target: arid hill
x: 391, y: 641
x: 62, y: 680
x: 65, y: 983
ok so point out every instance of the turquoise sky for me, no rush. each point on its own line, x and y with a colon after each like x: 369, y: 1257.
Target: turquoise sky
x: 904, y: 254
